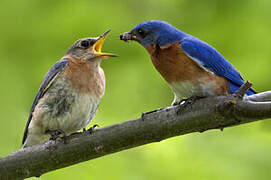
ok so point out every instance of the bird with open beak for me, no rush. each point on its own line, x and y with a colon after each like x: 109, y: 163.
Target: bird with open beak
x: 69, y: 94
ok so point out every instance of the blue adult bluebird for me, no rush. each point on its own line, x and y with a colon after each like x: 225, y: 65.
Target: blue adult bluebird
x: 69, y: 94
x: 190, y: 66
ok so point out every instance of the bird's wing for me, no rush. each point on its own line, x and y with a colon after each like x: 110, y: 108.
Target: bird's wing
x: 45, y: 84
x: 208, y: 58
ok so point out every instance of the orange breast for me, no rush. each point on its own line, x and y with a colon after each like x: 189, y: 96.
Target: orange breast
x: 175, y: 66
x: 86, y: 77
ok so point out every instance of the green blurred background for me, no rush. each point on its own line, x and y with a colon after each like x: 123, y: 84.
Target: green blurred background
x: 34, y: 34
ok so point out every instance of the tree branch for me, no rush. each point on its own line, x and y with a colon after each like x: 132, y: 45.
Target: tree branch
x: 260, y: 97
x: 203, y: 114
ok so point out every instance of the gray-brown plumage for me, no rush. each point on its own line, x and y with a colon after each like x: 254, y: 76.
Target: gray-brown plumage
x: 70, y: 92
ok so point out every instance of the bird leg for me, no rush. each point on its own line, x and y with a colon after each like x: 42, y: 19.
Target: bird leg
x: 55, y: 134
x: 176, y: 102
x: 91, y: 129
x: 190, y: 100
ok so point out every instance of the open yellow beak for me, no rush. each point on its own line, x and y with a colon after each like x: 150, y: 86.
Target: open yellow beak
x: 97, y: 47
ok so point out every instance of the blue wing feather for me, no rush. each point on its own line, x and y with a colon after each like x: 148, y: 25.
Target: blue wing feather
x: 58, y: 67
x: 212, y: 60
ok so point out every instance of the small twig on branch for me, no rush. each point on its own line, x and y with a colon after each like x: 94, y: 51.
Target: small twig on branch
x: 240, y: 93
x: 206, y: 113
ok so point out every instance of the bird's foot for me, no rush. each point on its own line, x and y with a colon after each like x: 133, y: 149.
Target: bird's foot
x: 177, y: 103
x: 55, y: 134
x: 91, y: 129
x: 185, y: 102
x: 190, y: 100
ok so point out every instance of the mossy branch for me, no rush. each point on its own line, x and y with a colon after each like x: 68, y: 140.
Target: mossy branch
x: 197, y: 116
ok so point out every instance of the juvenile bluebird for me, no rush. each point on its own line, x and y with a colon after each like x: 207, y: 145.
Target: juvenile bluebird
x: 69, y: 94
x: 191, y: 67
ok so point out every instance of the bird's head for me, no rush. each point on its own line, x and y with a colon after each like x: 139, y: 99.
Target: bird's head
x: 89, y: 49
x: 153, y: 33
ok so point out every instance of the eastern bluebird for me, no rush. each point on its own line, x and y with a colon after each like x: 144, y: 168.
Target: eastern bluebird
x: 69, y: 94
x: 190, y: 66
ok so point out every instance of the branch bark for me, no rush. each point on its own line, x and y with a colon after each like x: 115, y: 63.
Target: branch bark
x: 198, y: 116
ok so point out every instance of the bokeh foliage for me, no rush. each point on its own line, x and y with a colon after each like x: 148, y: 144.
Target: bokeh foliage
x: 34, y: 34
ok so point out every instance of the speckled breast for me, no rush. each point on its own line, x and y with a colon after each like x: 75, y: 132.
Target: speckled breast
x: 62, y: 107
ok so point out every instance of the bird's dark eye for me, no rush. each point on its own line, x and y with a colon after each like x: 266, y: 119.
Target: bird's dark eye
x: 85, y: 44
x: 141, y: 33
